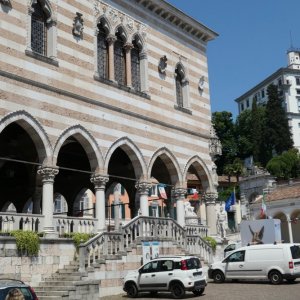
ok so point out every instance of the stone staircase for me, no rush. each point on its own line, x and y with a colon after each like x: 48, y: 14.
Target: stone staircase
x: 60, y: 284
x: 105, y: 259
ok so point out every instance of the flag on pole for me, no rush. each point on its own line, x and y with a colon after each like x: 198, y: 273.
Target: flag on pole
x: 162, y: 192
x: 263, y: 208
x: 230, y: 201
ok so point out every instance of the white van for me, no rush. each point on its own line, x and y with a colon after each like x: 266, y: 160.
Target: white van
x: 274, y: 262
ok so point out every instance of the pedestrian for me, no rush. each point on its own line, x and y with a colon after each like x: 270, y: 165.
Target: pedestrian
x: 15, y: 294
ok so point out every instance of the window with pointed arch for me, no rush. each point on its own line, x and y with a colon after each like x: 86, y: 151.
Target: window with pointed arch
x: 181, y: 86
x: 119, y: 59
x: 135, y: 66
x: 42, y: 34
x: 179, y: 76
x: 38, y: 29
x: 102, y: 52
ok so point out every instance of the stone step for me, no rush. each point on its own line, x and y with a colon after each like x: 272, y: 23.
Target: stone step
x: 44, y: 288
x: 53, y: 293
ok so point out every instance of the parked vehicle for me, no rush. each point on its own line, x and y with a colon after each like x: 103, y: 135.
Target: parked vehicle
x: 231, y: 247
x: 176, y: 274
x: 274, y: 262
x: 6, y: 285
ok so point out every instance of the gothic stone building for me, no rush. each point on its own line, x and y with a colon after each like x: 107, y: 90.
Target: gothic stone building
x: 95, y: 93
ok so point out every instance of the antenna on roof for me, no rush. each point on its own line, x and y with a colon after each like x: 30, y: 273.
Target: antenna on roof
x: 291, y: 40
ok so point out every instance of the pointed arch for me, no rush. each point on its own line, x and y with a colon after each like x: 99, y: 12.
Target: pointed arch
x: 170, y: 162
x: 88, y: 143
x: 133, y: 153
x: 34, y: 130
x: 105, y: 23
x: 140, y: 42
x: 122, y: 32
x: 202, y: 172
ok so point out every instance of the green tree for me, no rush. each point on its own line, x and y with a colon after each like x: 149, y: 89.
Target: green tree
x: 225, y: 130
x: 277, y: 134
x: 286, y: 165
x: 257, y: 129
x: 244, y: 133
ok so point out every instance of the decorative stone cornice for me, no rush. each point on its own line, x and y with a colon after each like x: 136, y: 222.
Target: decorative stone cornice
x: 143, y: 187
x: 99, y: 181
x: 48, y: 174
x: 176, y: 17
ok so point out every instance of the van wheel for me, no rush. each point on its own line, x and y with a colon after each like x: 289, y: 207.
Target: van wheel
x: 275, y: 277
x: 177, y: 290
x: 131, y: 290
x: 198, y: 292
x: 218, y: 277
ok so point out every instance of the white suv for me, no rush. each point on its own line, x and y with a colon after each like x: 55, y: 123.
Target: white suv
x: 176, y: 274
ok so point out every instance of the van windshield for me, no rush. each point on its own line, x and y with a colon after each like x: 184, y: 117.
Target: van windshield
x: 295, y: 250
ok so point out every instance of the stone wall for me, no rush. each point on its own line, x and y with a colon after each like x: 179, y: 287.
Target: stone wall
x: 53, y: 255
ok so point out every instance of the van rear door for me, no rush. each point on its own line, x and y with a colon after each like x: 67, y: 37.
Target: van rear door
x: 295, y: 251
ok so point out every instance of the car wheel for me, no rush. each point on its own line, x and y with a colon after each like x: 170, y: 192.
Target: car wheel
x: 291, y: 280
x: 218, y: 277
x: 131, y: 290
x: 177, y: 290
x: 275, y: 277
x: 198, y: 292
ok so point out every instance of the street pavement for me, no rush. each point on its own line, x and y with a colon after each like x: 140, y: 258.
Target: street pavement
x: 261, y: 290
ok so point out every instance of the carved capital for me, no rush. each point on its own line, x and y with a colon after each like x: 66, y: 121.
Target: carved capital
x: 180, y: 192
x: 210, y: 198
x: 48, y: 174
x: 99, y: 181
x: 128, y: 47
x: 111, y: 39
x: 143, y: 188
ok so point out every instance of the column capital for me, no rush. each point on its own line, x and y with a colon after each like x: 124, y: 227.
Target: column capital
x: 179, y: 192
x: 99, y: 181
x: 128, y: 47
x: 47, y: 173
x: 111, y: 39
x: 210, y: 198
x: 143, y: 187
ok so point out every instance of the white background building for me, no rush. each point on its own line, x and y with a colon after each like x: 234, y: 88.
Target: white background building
x: 288, y: 81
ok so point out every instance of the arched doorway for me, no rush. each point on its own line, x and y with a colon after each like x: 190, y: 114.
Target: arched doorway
x: 284, y: 226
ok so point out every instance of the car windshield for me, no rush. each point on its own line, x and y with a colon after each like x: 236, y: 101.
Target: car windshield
x: 295, y: 250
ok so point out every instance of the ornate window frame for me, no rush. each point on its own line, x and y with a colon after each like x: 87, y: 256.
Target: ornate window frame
x: 185, y: 105
x: 51, y: 45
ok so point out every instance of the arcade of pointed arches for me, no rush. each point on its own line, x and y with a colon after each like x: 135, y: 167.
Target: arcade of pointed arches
x: 75, y: 167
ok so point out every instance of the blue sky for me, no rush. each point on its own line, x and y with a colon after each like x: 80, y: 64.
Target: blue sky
x: 253, y: 39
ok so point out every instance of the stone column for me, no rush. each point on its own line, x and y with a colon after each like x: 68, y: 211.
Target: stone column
x: 111, y: 66
x: 180, y: 198
x: 144, y: 72
x: 290, y: 229
x: 128, y: 48
x: 143, y: 190
x: 117, y: 208
x: 48, y: 174
x: 99, y: 182
x: 211, y: 220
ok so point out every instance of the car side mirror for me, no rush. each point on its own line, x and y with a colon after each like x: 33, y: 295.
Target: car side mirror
x: 140, y: 271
